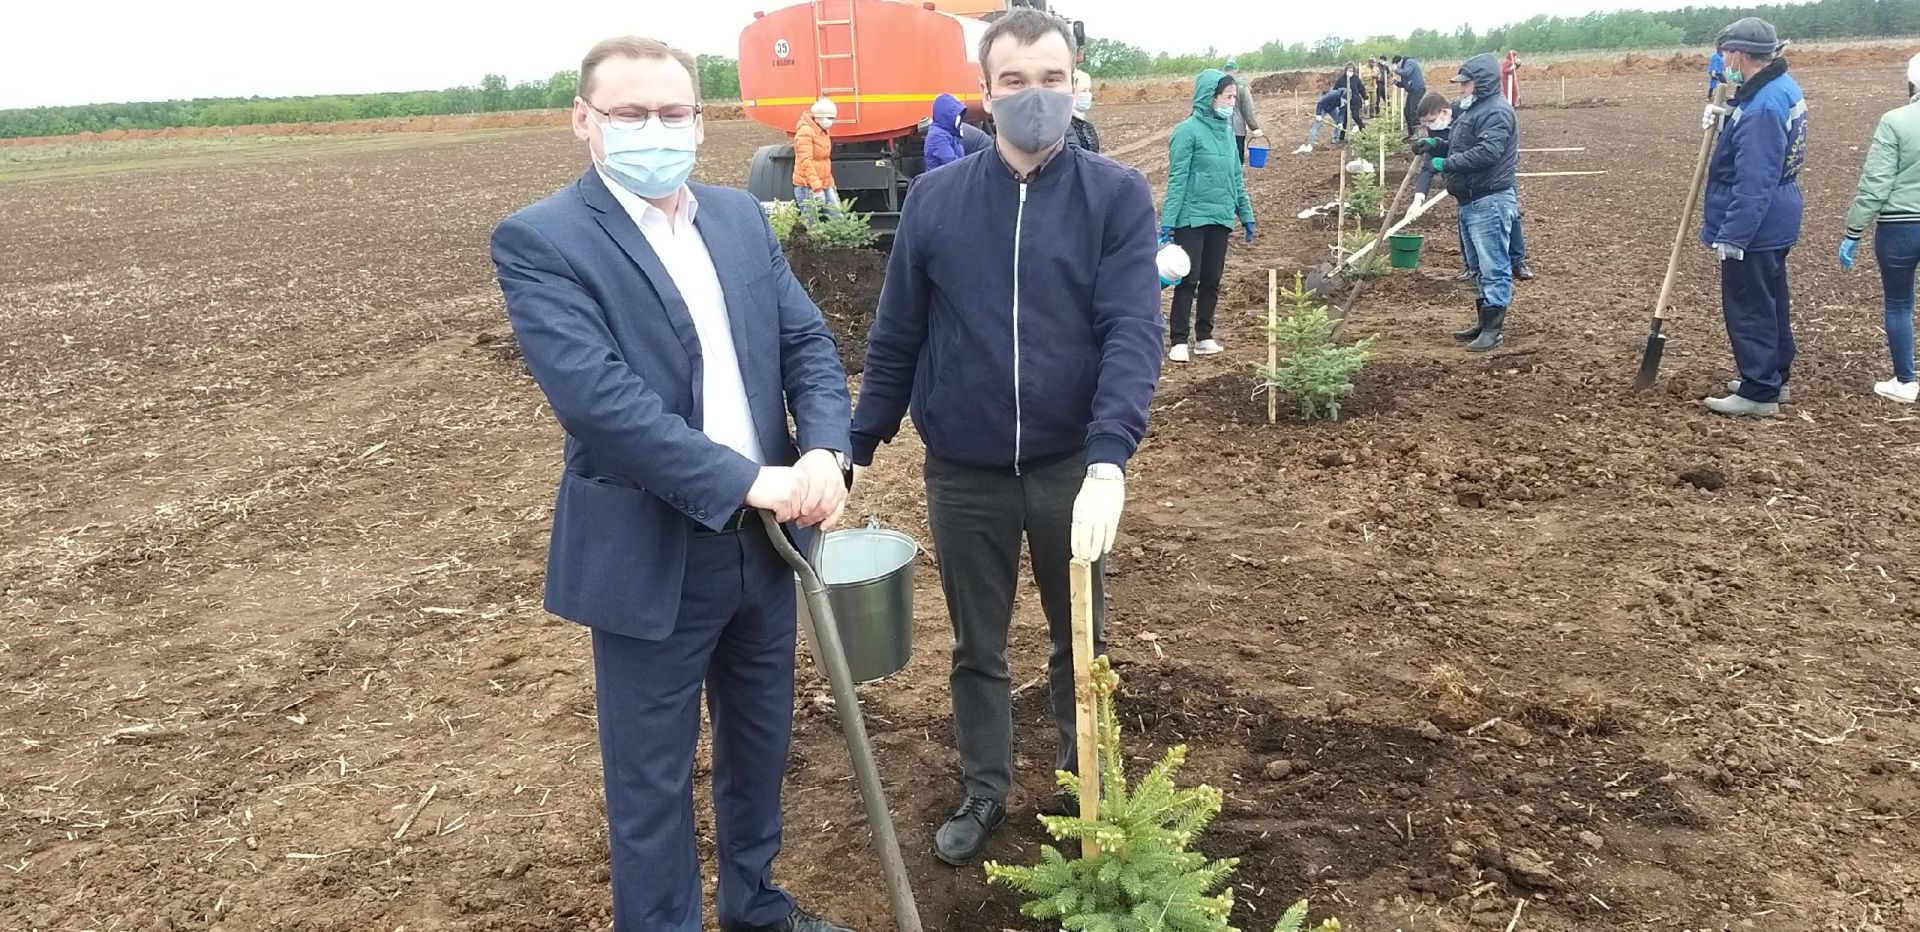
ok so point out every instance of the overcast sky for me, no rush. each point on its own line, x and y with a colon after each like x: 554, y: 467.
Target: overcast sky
x: 119, y: 50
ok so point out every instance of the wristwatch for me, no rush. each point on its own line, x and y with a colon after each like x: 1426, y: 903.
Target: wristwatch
x: 1104, y: 471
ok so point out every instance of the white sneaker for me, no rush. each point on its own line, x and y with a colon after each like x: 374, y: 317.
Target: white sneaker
x: 1178, y: 353
x: 1206, y: 348
x: 1892, y: 389
x: 1303, y: 150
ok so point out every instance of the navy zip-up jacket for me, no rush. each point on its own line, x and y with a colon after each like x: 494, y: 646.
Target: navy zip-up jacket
x: 1019, y: 321
x: 1753, y: 199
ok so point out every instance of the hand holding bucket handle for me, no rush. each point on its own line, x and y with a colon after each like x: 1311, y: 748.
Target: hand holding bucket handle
x: 823, y: 634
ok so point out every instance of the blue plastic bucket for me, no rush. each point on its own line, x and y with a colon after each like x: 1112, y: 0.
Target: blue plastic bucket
x: 1257, y: 156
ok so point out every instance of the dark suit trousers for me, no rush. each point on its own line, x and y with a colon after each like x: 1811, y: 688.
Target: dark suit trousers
x: 979, y: 518
x: 736, y: 636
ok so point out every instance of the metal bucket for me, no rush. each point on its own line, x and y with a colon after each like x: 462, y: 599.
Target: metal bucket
x: 869, y: 574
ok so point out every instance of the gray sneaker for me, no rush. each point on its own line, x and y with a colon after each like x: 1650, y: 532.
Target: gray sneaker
x: 1786, y: 391
x: 1736, y: 406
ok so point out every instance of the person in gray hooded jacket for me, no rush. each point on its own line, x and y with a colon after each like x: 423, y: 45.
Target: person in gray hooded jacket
x: 1480, y: 160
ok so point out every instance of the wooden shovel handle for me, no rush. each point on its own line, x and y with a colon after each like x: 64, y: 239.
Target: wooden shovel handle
x: 1707, y: 139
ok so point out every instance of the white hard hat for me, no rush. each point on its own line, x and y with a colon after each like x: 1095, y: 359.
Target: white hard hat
x: 1173, y: 262
x: 825, y: 107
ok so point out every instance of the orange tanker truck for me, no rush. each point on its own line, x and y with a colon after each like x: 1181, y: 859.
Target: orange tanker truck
x: 882, y: 62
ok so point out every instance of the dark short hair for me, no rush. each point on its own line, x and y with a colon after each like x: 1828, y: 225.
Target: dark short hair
x: 1396, y: 59
x: 1431, y: 104
x: 1025, y: 26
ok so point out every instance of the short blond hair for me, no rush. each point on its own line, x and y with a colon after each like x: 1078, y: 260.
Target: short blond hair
x: 634, y: 47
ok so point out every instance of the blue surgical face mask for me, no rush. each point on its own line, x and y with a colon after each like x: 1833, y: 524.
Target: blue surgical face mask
x: 1225, y: 113
x: 1736, y: 77
x: 653, y: 160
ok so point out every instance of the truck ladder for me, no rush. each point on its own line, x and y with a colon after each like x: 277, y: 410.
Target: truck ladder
x: 834, y: 42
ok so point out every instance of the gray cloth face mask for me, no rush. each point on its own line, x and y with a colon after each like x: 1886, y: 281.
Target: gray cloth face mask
x: 1033, y: 120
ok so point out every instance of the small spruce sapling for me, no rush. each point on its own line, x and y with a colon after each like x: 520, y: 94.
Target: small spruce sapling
x: 1146, y: 878
x: 1313, y: 371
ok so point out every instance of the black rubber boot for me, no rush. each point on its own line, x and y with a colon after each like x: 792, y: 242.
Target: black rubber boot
x: 1480, y: 323
x: 1495, y: 320
x: 1523, y: 271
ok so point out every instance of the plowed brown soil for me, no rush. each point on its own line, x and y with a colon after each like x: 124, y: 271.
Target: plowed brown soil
x: 1509, y: 641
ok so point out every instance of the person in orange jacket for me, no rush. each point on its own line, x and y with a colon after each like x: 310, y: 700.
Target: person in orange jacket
x: 813, y: 186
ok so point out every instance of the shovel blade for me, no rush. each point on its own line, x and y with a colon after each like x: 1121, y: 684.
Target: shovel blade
x: 1650, y: 361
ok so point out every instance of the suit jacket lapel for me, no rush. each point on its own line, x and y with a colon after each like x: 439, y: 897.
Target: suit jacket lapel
x: 732, y: 261
x: 614, y: 219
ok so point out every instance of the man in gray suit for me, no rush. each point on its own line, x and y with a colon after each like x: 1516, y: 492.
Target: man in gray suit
x: 671, y: 339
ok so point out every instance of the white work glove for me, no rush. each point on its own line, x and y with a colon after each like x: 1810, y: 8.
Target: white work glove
x: 1714, y: 113
x: 1418, y: 199
x: 1259, y: 132
x: 1729, y: 252
x: 1096, y: 516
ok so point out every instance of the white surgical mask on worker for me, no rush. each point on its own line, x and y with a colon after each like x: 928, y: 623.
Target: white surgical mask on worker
x: 652, y: 160
x: 1083, y: 101
x: 825, y: 122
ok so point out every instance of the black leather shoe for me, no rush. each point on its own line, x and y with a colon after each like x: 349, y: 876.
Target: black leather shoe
x: 799, y: 921
x: 960, y: 841
x: 1523, y: 271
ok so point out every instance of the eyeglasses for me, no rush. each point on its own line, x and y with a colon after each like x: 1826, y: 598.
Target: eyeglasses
x: 673, y: 116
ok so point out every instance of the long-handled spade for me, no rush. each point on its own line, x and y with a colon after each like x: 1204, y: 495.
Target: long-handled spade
x: 823, y: 633
x: 1657, y: 340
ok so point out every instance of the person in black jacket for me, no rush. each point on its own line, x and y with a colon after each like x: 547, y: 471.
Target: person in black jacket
x: 1081, y: 132
x: 1480, y: 160
x: 1356, y: 95
x: 1436, y: 118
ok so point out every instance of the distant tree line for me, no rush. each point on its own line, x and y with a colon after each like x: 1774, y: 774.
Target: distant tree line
x: 720, y: 77
x: 1626, y: 29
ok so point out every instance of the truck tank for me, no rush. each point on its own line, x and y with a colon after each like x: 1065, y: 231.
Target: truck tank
x: 883, y: 62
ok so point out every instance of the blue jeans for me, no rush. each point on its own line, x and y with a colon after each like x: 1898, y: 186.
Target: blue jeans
x: 1897, y: 248
x: 1516, y: 249
x: 1486, y: 226
x: 812, y: 203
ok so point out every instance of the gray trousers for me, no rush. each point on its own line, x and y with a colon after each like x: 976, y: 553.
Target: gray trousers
x: 978, y: 519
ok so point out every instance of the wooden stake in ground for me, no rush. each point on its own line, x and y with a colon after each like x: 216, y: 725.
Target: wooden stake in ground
x: 1086, y: 725
x: 1556, y: 174
x: 1340, y: 227
x: 1273, y: 350
x: 1563, y: 92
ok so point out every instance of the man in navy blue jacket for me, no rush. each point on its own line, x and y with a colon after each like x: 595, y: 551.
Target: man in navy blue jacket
x: 1753, y: 210
x: 1020, y: 321
x: 1407, y: 73
x: 671, y: 340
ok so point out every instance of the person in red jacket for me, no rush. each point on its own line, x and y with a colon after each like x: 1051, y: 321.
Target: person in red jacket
x: 1510, y: 78
x: 813, y: 187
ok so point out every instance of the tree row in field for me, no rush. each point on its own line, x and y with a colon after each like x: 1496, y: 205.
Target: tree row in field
x: 720, y: 79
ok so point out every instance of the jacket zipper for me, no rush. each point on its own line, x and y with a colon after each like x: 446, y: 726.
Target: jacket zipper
x: 1019, y: 222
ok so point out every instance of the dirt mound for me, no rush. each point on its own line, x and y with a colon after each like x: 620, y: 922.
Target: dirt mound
x: 1287, y: 82
x: 846, y: 285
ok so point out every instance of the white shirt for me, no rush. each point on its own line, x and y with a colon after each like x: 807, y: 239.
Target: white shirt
x: 727, y: 418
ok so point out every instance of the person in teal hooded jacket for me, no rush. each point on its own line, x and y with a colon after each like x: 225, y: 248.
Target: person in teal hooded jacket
x: 1206, y: 193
